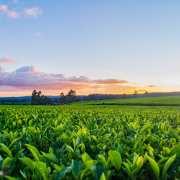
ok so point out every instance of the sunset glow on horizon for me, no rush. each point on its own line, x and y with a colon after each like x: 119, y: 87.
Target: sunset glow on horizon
x: 102, y: 47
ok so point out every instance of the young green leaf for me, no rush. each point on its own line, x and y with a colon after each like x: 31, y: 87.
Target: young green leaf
x: 6, y: 162
x: 154, y: 166
x: 69, y: 148
x: 115, y: 159
x: 85, y: 158
x: 145, y: 127
x: 10, y: 178
x: 6, y: 150
x: 103, y: 177
x: 76, y: 168
x: 13, y: 142
x: 168, y: 163
x: 140, y: 162
x: 49, y: 156
x: 29, y: 163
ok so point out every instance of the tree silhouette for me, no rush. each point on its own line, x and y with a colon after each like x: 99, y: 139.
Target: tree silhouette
x: 135, y: 94
x: 38, y: 99
x: 146, y: 93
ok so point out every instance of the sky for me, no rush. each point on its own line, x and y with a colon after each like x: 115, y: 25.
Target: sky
x: 90, y: 46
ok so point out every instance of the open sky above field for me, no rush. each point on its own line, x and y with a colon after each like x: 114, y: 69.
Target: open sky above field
x: 90, y: 46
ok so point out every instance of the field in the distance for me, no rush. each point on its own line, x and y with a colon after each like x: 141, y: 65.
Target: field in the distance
x: 91, y: 142
x: 145, y: 101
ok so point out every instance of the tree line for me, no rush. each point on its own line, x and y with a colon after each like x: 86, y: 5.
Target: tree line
x: 111, y: 96
x: 38, y: 99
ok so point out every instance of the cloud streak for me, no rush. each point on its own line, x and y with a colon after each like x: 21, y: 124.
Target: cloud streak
x: 4, y: 9
x: 28, y: 78
x: 7, y: 60
x: 110, y: 81
x: 151, y: 86
x: 33, y: 12
x: 27, y: 12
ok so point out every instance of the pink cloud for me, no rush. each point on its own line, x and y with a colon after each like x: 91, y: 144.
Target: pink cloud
x: 27, y: 69
x: 110, y: 81
x: 33, y: 12
x: 151, y: 86
x: 7, y: 60
x: 12, y: 14
x: 15, y: 1
x: 1, y: 69
x: 28, y: 78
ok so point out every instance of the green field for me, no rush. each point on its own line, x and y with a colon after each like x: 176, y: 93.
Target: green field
x: 147, y: 101
x: 99, y: 142
x: 16, y: 103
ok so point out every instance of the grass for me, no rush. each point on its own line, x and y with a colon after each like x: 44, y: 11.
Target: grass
x: 16, y: 103
x: 146, y: 101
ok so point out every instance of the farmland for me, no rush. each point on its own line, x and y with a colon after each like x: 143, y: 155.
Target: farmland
x: 82, y: 141
x: 145, y: 101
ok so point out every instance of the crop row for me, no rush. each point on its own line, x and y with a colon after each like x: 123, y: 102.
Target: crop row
x: 55, y: 143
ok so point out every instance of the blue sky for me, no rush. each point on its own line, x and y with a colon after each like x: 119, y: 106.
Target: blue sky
x: 134, y: 41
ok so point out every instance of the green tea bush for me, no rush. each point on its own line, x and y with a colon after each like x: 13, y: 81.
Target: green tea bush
x: 54, y: 143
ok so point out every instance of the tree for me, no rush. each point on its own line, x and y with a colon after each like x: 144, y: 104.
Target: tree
x: 62, y: 98
x: 34, y: 98
x: 38, y: 99
x: 146, y: 94
x: 71, y: 96
x: 124, y: 96
x: 135, y: 94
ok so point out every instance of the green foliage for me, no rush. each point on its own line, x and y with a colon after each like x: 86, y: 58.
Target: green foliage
x: 83, y: 143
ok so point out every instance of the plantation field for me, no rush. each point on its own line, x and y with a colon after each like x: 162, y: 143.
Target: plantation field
x: 144, y: 101
x: 17, y: 103
x: 98, y: 142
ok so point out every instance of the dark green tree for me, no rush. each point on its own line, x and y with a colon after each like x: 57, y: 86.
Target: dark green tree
x: 34, y: 97
x: 71, y: 96
x: 38, y: 99
x: 62, y: 98
x: 135, y: 94
x: 146, y: 94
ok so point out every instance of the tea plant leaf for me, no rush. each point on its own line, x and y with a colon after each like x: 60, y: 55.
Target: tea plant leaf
x: 103, y: 160
x: 140, y: 162
x: 154, y: 166
x: 50, y: 157
x: 28, y: 162
x: 145, y: 127
x: 6, y: 150
x: 168, y: 163
x: 6, y: 162
x: 62, y: 173
x: 69, y: 148
x: 10, y: 178
x: 85, y: 158
x: 115, y: 159
x: 103, y: 177
x: 13, y: 142
x: 76, y: 168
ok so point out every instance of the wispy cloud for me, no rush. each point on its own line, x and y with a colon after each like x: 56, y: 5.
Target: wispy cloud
x: 38, y: 34
x: 1, y: 69
x: 27, y: 12
x: 28, y: 78
x: 4, y: 9
x: 151, y: 86
x: 33, y: 12
x: 141, y: 91
x: 110, y: 81
x: 26, y: 69
x: 7, y: 60
x: 15, y: 1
